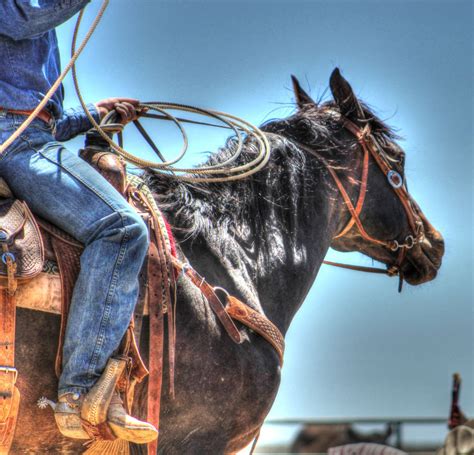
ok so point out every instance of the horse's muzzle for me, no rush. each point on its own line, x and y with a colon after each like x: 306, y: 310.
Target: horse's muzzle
x: 424, y: 260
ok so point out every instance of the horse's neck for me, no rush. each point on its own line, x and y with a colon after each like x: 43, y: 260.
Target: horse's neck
x: 295, y: 253
x: 271, y: 264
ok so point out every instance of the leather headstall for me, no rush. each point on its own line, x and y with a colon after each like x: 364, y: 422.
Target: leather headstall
x: 371, y: 148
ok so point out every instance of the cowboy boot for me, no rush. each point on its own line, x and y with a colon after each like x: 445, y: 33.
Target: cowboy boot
x: 123, y: 426
x: 126, y: 427
x: 102, y: 408
x: 67, y: 414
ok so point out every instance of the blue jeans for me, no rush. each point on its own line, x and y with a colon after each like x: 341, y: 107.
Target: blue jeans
x: 65, y: 190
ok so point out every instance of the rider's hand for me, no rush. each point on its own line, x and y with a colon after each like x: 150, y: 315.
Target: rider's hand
x: 125, y: 107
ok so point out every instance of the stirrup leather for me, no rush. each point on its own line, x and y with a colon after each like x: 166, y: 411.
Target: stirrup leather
x: 9, y: 406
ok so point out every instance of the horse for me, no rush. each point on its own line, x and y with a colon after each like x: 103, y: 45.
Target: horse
x: 319, y: 438
x: 263, y: 239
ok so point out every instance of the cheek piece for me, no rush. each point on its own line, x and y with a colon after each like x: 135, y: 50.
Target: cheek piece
x: 370, y: 147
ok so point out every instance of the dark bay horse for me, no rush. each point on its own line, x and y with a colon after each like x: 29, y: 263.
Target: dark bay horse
x: 263, y: 240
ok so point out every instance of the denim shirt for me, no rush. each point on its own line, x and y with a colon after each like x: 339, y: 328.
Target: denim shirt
x: 29, y: 59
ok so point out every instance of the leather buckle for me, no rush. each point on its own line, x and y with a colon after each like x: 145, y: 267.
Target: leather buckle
x: 5, y: 236
x: 6, y: 256
x: 9, y: 370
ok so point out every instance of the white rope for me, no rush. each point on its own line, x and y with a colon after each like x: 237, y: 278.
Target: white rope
x: 218, y: 173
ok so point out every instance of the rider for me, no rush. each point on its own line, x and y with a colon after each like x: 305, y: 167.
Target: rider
x: 65, y: 190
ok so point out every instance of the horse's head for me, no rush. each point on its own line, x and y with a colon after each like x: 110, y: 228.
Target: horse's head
x: 380, y: 218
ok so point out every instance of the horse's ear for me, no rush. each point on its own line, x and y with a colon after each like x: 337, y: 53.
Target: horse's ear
x: 344, y: 96
x: 302, y: 98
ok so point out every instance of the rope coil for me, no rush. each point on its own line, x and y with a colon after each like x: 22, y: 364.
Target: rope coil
x: 221, y: 172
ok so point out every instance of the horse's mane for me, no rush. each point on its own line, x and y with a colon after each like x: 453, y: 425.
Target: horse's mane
x: 196, y: 208
x: 288, y: 179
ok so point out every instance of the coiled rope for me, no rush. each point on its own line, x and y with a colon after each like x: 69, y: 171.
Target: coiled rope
x: 221, y: 172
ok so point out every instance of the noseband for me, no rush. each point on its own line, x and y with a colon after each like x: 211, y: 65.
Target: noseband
x: 371, y: 147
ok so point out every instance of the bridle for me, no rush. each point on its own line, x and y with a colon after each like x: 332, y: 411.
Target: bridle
x: 371, y: 147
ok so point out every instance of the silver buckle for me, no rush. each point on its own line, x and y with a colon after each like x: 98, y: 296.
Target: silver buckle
x: 409, y: 242
x: 10, y: 370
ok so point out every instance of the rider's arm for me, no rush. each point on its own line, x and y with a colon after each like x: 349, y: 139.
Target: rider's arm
x: 22, y: 19
x: 74, y: 121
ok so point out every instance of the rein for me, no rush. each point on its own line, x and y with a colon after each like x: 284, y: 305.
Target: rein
x: 370, y: 147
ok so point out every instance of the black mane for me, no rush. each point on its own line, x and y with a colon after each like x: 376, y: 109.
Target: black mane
x: 195, y: 208
x: 287, y: 180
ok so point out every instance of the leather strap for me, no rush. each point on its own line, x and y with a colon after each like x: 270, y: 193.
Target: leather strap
x: 98, y: 432
x: 355, y: 213
x: 415, y: 219
x: 155, y: 363
x: 368, y: 144
x: 237, y: 310
x: 9, y: 394
x: 258, y: 323
x: 214, y: 301
x: 7, y: 325
x: 158, y: 234
x: 9, y: 408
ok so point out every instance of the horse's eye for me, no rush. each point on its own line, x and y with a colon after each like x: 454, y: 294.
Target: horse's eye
x: 402, y: 160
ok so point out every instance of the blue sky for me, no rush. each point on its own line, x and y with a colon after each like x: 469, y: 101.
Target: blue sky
x: 356, y: 348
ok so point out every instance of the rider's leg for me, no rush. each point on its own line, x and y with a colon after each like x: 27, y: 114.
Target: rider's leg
x: 66, y: 191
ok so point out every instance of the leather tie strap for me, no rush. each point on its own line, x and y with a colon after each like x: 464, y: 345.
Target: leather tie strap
x: 159, y: 284
x: 156, y: 348
x: 214, y: 301
x: 258, y: 323
x: 237, y: 310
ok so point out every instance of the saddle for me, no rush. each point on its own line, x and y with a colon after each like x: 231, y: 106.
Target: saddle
x: 40, y: 264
